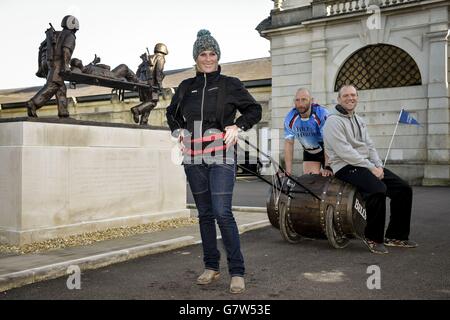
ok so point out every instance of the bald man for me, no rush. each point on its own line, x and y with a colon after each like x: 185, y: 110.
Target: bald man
x: 305, y: 123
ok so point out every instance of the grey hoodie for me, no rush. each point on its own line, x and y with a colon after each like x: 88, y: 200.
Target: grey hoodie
x: 347, y: 141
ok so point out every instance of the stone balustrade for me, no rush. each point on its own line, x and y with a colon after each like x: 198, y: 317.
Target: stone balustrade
x: 339, y: 7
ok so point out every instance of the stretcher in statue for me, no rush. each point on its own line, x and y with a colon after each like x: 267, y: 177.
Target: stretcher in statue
x: 56, y: 65
x: 121, y: 77
x: 319, y: 207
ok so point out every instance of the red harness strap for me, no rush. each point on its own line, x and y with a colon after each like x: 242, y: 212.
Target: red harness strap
x: 210, y: 138
x: 213, y: 137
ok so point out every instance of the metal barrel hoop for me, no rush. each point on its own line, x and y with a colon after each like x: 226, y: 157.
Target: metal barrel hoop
x: 337, y: 213
x: 324, y: 205
x: 286, y: 229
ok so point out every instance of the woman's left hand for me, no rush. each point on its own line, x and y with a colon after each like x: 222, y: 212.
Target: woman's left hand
x: 231, y: 135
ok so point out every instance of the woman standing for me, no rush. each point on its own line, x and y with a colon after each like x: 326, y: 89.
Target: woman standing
x: 201, y: 108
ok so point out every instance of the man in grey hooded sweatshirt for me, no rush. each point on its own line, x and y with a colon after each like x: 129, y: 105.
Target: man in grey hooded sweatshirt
x: 354, y: 159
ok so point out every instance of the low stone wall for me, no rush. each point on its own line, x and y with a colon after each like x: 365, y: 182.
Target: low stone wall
x: 63, y: 177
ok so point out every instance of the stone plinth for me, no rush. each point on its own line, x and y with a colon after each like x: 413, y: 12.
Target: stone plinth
x: 69, y: 177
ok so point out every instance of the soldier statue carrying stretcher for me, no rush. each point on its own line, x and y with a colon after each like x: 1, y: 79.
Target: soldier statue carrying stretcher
x: 56, y: 65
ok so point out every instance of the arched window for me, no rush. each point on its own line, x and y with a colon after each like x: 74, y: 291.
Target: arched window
x: 379, y: 66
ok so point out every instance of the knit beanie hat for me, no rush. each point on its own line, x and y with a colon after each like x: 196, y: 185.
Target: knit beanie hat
x: 205, y: 42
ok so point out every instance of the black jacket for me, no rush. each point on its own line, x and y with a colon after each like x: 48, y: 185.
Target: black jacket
x: 199, y: 103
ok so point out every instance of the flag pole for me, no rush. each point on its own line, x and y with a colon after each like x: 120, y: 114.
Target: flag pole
x: 392, y: 139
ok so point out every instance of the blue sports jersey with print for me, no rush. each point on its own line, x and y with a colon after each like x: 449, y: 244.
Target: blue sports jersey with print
x: 309, y: 132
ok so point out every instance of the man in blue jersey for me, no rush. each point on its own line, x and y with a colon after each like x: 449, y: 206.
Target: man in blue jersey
x: 305, y: 123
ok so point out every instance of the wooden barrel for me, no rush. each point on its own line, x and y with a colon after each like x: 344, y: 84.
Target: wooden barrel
x: 338, y: 216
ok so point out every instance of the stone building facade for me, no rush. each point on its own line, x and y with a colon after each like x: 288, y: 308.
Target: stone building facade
x: 395, y: 51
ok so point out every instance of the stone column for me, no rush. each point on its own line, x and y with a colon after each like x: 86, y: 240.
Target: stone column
x: 289, y: 4
x: 318, y: 53
x: 437, y: 168
x: 319, y: 8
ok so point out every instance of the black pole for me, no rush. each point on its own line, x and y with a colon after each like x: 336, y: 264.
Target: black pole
x: 281, y: 168
x: 265, y: 180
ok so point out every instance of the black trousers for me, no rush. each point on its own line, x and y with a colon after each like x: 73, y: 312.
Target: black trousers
x: 374, y: 192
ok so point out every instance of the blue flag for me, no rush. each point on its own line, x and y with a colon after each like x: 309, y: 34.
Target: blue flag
x: 406, y: 118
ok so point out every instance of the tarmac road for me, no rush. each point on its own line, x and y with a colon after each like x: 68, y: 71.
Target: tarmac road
x: 276, y: 269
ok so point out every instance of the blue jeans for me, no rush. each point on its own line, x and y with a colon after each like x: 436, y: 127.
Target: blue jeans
x: 212, y: 188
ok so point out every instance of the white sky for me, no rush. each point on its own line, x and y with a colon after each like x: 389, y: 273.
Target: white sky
x: 119, y: 31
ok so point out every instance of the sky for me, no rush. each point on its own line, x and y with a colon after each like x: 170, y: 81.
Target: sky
x: 120, y: 31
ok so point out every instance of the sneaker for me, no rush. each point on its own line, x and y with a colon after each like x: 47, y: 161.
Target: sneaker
x: 375, y: 247
x: 237, y: 285
x: 400, y: 243
x: 208, y: 276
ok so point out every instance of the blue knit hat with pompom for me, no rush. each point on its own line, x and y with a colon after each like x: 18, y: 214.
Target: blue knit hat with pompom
x: 205, y: 42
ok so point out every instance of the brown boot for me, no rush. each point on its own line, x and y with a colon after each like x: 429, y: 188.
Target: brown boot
x: 63, y: 114
x: 135, y: 113
x: 63, y: 111
x: 144, y: 119
x: 208, y: 276
x: 237, y: 285
x: 31, y: 109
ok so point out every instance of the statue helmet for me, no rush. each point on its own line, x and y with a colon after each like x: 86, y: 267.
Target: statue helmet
x: 161, y: 48
x: 70, y: 22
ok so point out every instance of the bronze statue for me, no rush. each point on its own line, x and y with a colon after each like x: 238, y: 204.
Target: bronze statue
x: 150, y: 70
x: 54, y: 57
x: 121, y: 72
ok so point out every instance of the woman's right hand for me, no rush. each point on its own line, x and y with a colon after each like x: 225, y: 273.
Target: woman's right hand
x: 231, y: 135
